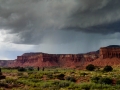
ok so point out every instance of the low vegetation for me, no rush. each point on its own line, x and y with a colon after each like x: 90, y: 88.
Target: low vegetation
x: 107, y: 68
x: 90, y: 67
x: 60, y: 79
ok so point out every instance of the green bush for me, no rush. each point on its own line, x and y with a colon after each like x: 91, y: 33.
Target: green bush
x: 30, y: 68
x: 9, y: 80
x: 85, y: 86
x: 35, y: 80
x: 50, y: 76
x: 101, y: 80
x: 95, y: 79
x: 118, y: 82
x: 64, y: 84
x: 83, y: 74
x: 3, y: 85
x: 21, y: 69
x: 60, y: 76
x: 20, y: 73
x: 36, y: 76
x: 72, y: 79
x: 90, y: 67
x: 73, y: 86
x: 107, y: 68
x: 61, y: 83
x: 105, y: 81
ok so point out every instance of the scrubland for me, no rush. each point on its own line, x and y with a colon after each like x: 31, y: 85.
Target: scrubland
x: 60, y: 79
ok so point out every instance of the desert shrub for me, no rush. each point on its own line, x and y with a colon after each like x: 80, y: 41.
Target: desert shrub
x: 95, y: 79
x: 101, y: 87
x: 105, y: 81
x: 35, y: 80
x: 20, y: 73
x: 73, y: 86
x: 61, y: 83
x: 72, y: 79
x: 64, y: 84
x: 22, y: 81
x: 43, y: 69
x: 10, y: 81
x: 83, y: 74
x: 90, y: 67
x: 60, y: 76
x: 118, y: 82
x: 56, y: 71
x: 36, y: 76
x: 107, y: 68
x: 93, y: 86
x: 85, y: 86
x: 101, y: 80
x: 30, y: 68
x: 21, y: 69
x: 46, y: 85
x: 3, y: 85
x: 16, y: 67
x: 50, y: 76
x: 72, y: 72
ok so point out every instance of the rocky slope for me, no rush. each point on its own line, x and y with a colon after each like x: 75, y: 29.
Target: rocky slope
x: 108, y: 61
x: 109, y: 55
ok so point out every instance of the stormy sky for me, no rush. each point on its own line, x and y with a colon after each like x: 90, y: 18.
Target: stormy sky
x: 57, y: 26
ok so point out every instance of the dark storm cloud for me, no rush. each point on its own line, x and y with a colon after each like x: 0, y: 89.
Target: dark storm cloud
x: 34, y: 21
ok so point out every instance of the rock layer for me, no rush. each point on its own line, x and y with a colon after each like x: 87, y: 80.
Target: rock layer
x: 109, y: 52
x: 50, y: 60
x: 105, y: 56
x: 6, y: 63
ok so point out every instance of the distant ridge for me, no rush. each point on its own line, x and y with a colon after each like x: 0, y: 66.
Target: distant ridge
x: 110, y: 46
x: 35, y: 53
x: 113, y: 46
x: 35, y: 59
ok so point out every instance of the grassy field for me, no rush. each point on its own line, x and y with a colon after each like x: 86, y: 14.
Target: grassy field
x: 60, y: 79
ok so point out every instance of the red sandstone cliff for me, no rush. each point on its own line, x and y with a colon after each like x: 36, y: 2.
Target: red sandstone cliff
x: 6, y: 63
x: 105, y: 56
x: 108, y: 56
x: 107, y: 61
x: 50, y: 60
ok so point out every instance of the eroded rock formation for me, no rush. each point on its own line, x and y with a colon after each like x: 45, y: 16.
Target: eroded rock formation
x: 109, y: 52
x: 6, y: 63
x: 105, y: 56
x: 49, y: 60
x: 108, y: 56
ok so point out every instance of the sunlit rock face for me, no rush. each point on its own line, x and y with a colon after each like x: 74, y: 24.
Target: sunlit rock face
x: 108, y: 56
x: 54, y: 60
x: 104, y: 56
x: 109, y: 52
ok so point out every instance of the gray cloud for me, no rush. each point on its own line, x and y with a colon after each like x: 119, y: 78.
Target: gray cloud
x: 42, y: 21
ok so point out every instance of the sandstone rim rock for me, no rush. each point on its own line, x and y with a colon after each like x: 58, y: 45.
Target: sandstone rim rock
x: 105, y: 56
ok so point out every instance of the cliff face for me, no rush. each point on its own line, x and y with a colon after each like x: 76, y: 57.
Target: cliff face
x: 50, y: 60
x: 108, y: 56
x: 109, y: 52
x: 107, y: 61
x: 105, y: 56
x: 5, y: 63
